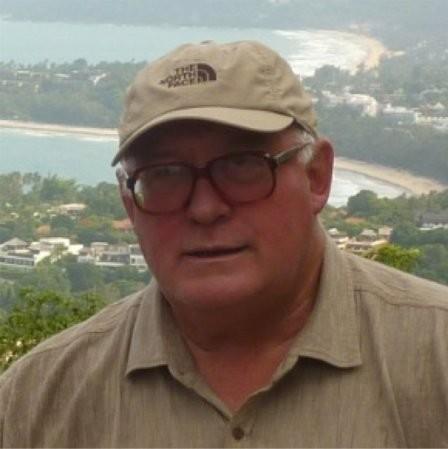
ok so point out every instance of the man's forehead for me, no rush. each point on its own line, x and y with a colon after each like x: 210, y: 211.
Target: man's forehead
x: 167, y: 139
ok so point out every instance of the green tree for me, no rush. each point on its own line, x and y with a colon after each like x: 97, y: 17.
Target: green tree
x: 393, y: 255
x: 46, y: 277
x: 103, y: 200
x: 363, y: 204
x: 11, y: 188
x: 38, y: 315
x: 58, y: 189
x: 83, y: 276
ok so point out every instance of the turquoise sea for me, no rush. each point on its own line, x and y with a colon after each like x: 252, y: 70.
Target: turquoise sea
x: 29, y: 42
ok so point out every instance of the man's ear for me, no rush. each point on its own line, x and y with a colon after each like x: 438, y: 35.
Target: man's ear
x: 320, y: 174
x: 125, y: 193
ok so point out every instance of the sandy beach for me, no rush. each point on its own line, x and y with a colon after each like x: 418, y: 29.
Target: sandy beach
x: 375, y: 51
x: 416, y: 185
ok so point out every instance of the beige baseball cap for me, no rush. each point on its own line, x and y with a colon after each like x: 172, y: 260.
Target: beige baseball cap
x: 243, y: 84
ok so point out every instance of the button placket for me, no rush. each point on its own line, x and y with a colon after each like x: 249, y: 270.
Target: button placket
x: 241, y: 425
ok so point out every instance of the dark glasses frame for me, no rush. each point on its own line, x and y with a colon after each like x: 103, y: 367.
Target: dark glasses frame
x: 272, y: 161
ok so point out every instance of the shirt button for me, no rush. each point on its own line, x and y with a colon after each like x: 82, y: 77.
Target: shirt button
x: 237, y: 433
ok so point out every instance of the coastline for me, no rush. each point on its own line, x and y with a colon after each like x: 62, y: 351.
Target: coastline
x: 51, y: 129
x: 414, y: 184
x: 375, y: 49
x: 375, y: 52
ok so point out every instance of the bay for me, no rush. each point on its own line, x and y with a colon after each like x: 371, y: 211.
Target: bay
x: 306, y: 50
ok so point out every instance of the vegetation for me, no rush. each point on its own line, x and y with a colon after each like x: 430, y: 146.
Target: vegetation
x: 396, y: 257
x: 28, y: 209
x: 38, y: 315
x: 416, y: 81
x: 70, y: 93
x: 423, y: 253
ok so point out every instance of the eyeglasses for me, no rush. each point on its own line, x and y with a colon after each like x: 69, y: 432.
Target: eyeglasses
x: 238, y: 178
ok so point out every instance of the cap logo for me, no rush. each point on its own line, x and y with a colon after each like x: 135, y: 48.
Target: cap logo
x: 190, y: 74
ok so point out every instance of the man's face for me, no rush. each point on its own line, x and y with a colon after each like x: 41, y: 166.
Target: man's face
x: 214, y: 254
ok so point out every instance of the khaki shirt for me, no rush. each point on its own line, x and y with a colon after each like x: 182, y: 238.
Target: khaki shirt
x: 369, y: 369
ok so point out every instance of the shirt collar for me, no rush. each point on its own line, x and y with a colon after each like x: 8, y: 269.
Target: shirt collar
x: 331, y: 333
x: 156, y: 340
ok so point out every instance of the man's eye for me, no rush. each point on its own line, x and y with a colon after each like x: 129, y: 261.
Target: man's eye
x: 244, y: 160
x: 164, y: 171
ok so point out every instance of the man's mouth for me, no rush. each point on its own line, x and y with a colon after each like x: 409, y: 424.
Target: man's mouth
x: 204, y: 253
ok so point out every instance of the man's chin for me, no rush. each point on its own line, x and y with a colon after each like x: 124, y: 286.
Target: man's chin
x: 212, y: 293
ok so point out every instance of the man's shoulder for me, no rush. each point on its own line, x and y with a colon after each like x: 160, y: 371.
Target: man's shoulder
x: 395, y: 287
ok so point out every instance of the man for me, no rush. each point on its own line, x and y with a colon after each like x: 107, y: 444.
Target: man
x: 257, y: 331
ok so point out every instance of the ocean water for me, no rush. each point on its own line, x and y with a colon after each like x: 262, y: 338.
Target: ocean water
x: 87, y: 160
x: 306, y: 50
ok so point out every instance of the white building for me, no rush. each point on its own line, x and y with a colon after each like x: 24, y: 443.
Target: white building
x: 113, y: 256
x: 22, y: 258
x: 399, y: 114
x: 366, y: 104
x: 19, y: 254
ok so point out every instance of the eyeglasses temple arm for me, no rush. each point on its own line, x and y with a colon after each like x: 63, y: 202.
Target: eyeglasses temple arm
x: 286, y: 155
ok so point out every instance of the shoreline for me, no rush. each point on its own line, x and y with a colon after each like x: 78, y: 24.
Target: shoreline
x: 375, y: 49
x: 52, y: 129
x: 414, y: 184
x: 375, y: 52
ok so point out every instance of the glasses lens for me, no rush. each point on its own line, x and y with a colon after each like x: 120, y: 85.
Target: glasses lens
x: 243, y: 177
x: 163, y: 188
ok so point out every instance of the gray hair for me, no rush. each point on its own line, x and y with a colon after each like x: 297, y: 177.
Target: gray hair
x: 307, y: 154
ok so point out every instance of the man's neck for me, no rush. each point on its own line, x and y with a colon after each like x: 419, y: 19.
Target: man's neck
x: 238, y: 351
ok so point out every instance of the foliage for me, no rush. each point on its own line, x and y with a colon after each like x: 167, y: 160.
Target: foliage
x: 46, y: 277
x: 102, y: 200
x: 366, y: 210
x: 30, y: 200
x: 84, y: 96
x: 413, y: 148
x: 38, y: 315
x: 395, y: 256
x: 363, y: 204
x: 434, y: 263
x: 55, y: 189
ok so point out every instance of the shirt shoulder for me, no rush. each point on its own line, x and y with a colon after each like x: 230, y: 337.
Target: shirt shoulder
x: 395, y: 287
x: 48, y: 395
x: 96, y: 333
x: 403, y: 328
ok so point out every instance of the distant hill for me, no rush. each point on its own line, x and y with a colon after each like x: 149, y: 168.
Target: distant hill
x: 391, y: 18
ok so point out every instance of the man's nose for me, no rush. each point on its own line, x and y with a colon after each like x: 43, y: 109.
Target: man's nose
x: 206, y: 205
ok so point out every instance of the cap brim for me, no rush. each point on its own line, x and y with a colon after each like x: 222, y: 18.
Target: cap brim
x: 249, y: 119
